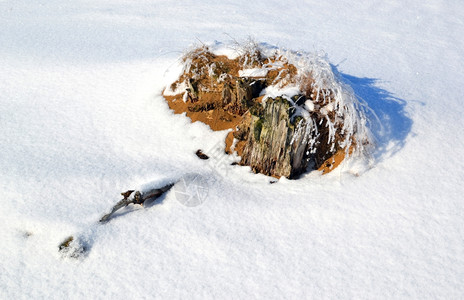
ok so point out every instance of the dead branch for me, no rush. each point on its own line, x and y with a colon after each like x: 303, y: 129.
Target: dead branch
x: 138, y: 198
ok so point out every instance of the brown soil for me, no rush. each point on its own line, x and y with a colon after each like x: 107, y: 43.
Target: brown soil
x: 330, y: 164
x: 217, y: 118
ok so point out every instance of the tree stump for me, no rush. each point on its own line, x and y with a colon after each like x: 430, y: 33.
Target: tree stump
x: 314, y: 126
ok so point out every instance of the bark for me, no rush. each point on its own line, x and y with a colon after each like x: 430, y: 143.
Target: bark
x: 275, y: 144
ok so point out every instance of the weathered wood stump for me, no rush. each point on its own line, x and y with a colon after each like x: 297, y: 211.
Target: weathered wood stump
x: 314, y: 127
x: 273, y: 146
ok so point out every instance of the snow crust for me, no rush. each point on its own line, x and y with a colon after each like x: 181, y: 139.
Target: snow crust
x: 82, y: 119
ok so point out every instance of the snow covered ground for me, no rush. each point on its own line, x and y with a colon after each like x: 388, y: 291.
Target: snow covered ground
x: 82, y: 119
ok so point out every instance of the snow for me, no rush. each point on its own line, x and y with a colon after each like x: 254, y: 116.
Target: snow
x: 83, y: 119
x: 309, y: 105
x: 275, y: 91
x: 254, y: 72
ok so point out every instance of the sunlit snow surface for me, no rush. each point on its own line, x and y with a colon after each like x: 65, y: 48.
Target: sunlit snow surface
x: 82, y: 119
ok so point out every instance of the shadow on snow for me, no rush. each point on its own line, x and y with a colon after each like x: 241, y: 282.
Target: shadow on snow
x: 389, y: 122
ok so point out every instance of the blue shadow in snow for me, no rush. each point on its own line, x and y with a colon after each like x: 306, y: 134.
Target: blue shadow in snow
x: 389, y: 122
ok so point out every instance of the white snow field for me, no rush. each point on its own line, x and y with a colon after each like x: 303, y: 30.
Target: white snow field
x: 82, y: 119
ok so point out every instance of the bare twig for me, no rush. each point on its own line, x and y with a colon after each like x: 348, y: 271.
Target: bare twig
x: 76, y: 247
x: 139, y: 198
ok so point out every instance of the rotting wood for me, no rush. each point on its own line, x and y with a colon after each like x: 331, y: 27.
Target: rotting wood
x: 312, y: 129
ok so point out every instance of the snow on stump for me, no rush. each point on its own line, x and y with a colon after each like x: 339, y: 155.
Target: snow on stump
x: 288, y: 111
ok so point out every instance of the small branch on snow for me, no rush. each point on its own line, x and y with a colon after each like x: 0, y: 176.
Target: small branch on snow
x: 139, y: 198
x: 73, y: 247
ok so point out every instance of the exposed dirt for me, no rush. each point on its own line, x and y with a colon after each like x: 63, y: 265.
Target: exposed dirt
x: 217, y: 118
